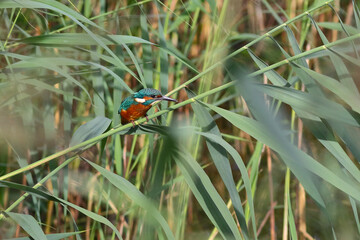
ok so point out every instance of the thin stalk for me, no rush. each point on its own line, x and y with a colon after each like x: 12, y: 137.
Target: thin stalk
x: 301, y: 190
x: 142, y: 156
x: 12, y: 28
x: 92, y: 18
x: 128, y: 164
x: 271, y: 190
x: 167, y: 18
x: 179, y: 65
x: 274, y: 30
x: 286, y: 206
x: 39, y: 184
x: 287, y: 201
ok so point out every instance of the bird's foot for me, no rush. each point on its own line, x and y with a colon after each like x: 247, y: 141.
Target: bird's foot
x: 133, y: 123
x: 147, y: 119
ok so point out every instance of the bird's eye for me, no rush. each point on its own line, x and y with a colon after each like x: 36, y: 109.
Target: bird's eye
x: 153, y: 96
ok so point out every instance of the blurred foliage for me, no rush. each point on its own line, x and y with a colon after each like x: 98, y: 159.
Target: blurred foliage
x: 262, y: 144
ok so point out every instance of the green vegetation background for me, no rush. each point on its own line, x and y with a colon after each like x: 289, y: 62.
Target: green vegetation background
x: 264, y: 142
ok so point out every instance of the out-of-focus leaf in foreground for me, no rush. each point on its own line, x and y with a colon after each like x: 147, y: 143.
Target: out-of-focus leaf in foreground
x: 90, y: 130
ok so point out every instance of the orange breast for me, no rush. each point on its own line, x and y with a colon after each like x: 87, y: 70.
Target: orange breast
x: 133, y: 113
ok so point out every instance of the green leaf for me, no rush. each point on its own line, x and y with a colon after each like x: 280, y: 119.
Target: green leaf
x: 84, y: 211
x: 299, y: 162
x: 309, y: 82
x: 29, y: 224
x: 341, y: 90
x: 90, y: 130
x: 73, y: 39
x: 206, y: 195
x: 239, y: 162
x: 40, y: 85
x: 273, y: 76
x: 320, y: 131
x: 76, y: 17
x: 355, y: 211
x: 44, y: 63
x: 171, y: 50
x: 244, y: 37
x: 135, y: 195
x: 219, y: 157
x: 327, y: 138
x: 312, y: 104
x: 36, y: 192
x: 147, y: 56
x: 55, y: 236
x: 339, y: 66
x: 199, y: 183
x: 31, y: 61
x: 53, y: 5
x: 337, y: 26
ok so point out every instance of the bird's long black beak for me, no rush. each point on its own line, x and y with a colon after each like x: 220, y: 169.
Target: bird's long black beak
x: 167, y: 99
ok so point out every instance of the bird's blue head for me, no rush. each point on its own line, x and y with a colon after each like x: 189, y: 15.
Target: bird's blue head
x: 146, y: 96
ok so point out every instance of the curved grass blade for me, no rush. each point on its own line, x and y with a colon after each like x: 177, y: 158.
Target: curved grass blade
x: 33, y: 62
x: 54, y: 236
x: 356, y: 14
x: 273, y: 76
x: 206, y: 195
x: 314, y: 105
x: 171, y: 50
x: 139, y: 198
x: 239, y: 162
x: 327, y: 138
x: 355, y: 212
x: 49, y: 197
x: 90, y: 130
x: 219, y: 156
x: 299, y: 162
x: 338, y: 27
x: 349, y: 96
x: 309, y: 82
x: 38, y: 62
x: 62, y: 9
x: 73, y: 39
x: 40, y: 85
x: 199, y: 183
x: 349, y: 134
x: 29, y: 224
x: 53, y: 5
x: 28, y: 61
x: 340, y: 67
x: 320, y: 131
x: 24, y: 188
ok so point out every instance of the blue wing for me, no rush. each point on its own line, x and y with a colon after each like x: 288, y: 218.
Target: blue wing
x: 126, y: 103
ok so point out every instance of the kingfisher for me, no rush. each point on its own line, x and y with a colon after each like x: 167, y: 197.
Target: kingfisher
x: 137, y: 104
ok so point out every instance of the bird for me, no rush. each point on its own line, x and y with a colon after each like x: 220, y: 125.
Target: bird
x: 137, y: 104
